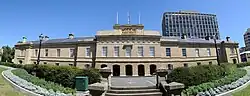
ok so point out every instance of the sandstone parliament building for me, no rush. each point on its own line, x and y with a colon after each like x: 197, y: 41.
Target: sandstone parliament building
x: 128, y: 50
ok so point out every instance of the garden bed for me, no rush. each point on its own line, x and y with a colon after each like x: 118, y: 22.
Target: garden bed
x: 220, y: 86
x: 35, y: 84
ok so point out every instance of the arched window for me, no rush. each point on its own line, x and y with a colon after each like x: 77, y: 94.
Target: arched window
x: 103, y: 65
x: 170, y: 67
x: 152, y: 69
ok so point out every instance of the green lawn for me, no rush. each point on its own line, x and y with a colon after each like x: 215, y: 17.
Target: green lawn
x: 6, y: 89
x: 244, y: 92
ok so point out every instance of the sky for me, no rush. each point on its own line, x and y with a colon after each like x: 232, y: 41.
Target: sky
x: 58, y: 18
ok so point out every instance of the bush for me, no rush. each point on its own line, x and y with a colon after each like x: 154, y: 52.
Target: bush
x: 243, y: 64
x: 64, y: 75
x: 199, y: 74
x: 193, y: 90
x: 41, y: 82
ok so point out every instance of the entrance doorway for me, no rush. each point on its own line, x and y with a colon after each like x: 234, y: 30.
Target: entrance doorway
x: 152, y: 69
x: 116, y: 70
x: 129, y: 70
x: 234, y: 61
x: 141, y: 70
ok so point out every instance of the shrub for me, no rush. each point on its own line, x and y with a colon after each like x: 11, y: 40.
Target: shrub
x: 64, y: 75
x: 243, y: 64
x: 41, y: 82
x: 199, y: 74
x: 193, y: 90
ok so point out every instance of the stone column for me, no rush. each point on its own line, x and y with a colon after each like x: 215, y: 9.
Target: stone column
x: 122, y: 70
x: 105, y: 72
x: 147, y: 70
x: 135, y: 69
x: 160, y: 75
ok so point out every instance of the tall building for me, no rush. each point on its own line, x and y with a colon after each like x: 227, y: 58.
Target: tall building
x: 193, y: 24
x: 128, y: 50
x: 247, y: 40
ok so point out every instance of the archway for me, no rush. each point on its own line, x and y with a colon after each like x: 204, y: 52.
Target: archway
x: 234, y: 61
x: 116, y: 70
x: 103, y: 65
x: 129, y: 70
x: 152, y: 69
x: 141, y: 70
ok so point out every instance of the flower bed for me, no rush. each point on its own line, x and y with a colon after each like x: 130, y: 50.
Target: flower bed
x: 35, y: 84
x: 219, y: 86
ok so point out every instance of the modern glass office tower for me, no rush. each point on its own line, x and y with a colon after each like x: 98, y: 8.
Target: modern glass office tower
x: 193, y: 24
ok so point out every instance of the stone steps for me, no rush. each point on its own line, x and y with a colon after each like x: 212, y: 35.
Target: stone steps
x: 135, y: 94
x: 133, y: 91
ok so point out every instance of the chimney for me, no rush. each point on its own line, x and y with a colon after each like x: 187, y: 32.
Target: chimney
x: 46, y: 38
x: 71, y: 36
x: 228, y: 38
x: 24, y: 39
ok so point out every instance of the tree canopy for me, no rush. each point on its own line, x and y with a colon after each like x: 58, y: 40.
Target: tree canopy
x: 8, y: 54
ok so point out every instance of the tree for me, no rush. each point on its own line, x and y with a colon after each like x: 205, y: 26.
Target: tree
x: 8, y: 54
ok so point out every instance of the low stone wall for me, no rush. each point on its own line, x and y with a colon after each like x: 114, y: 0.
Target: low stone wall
x: 27, y: 87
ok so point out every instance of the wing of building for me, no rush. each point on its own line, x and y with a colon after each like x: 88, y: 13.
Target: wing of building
x: 127, y: 50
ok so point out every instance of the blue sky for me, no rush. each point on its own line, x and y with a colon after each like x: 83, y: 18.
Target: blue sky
x: 58, y: 18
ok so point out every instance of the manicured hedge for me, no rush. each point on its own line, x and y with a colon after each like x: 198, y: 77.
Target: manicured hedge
x: 193, y: 90
x: 243, y: 64
x: 64, y: 75
x: 199, y: 74
x: 41, y: 82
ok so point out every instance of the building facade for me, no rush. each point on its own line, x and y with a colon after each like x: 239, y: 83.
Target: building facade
x: 247, y: 40
x: 193, y: 24
x: 128, y: 50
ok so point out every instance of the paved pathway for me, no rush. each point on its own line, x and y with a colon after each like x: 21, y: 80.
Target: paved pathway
x: 133, y: 81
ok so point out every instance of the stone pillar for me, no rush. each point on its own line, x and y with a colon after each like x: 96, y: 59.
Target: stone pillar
x: 160, y: 75
x: 147, y: 70
x: 27, y: 56
x: 174, y: 88
x: 105, y: 72
x: 122, y: 70
x: 135, y: 69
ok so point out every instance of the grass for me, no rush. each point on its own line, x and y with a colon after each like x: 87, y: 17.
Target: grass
x: 6, y: 89
x: 244, y: 92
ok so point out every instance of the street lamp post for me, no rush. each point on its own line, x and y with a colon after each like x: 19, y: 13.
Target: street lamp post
x: 217, y: 54
x: 39, y: 50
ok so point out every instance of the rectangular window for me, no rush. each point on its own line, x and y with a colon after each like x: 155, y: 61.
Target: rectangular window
x: 87, y: 54
x: 72, y: 52
x: 232, y: 50
x: 46, y: 52
x: 218, y: 50
x: 22, y: 52
x: 184, y: 52
x: 116, y: 49
x: 168, y: 52
x: 185, y: 65
x: 105, y: 51
x: 208, y: 52
x: 128, y: 51
x: 58, y: 52
x: 36, y: 52
x: 152, y: 51
x: 140, y: 51
x: 197, y: 53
